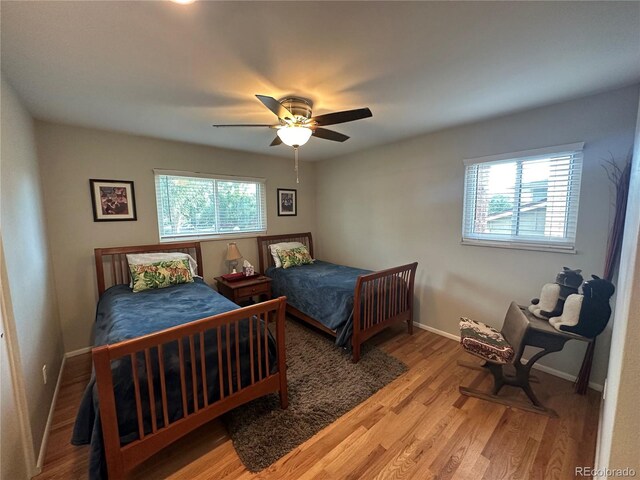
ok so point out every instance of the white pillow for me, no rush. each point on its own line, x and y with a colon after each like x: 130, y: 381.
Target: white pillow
x: 274, y: 247
x: 145, y: 258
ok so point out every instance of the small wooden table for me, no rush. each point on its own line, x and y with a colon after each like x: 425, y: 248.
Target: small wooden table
x: 241, y: 290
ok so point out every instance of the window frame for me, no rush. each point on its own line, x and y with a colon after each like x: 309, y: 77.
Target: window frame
x: 210, y: 236
x: 524, y: 242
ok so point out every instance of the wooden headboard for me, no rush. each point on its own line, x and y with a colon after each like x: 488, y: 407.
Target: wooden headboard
x: 264, y: 255
x: 112, y: 267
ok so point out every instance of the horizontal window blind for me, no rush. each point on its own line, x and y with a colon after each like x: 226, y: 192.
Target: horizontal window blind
x: 193, y: 205
x: 530, y: 200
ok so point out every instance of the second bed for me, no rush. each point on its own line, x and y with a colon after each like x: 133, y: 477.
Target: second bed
x: 325, y: 295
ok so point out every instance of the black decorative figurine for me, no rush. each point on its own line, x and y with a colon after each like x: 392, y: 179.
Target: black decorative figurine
x: 589, y: 313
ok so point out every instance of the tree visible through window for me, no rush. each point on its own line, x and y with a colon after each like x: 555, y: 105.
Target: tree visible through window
x: 192, y: 205
x: 528, y: 198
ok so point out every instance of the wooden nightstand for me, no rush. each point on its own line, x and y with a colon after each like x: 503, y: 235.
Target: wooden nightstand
x: 244, y: 289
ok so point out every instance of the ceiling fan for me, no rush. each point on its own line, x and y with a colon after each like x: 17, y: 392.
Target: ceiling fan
x: 296, y: 124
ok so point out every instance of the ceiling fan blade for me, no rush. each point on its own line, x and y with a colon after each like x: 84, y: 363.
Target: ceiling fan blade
x: 329, y: 135
x: 276, y: 107
x: 276, y: 141
x: 342, y: 117
x: 247, y: 125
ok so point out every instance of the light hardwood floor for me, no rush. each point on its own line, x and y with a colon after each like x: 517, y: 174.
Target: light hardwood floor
x: 417, y: 427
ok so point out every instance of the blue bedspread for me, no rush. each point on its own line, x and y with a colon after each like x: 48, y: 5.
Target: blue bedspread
x: 322, y: 290
x: 123, y: 315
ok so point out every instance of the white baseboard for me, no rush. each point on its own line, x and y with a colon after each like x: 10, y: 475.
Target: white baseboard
x: 47, y: 427
x: 75, y: 353
x: 598, y: 461
x: 537, y: 366
x: 442, y: 333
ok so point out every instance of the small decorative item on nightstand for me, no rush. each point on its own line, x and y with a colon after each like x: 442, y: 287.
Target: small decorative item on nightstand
x: 248, y: 269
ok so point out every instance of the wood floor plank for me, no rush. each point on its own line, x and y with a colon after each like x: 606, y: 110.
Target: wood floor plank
x: 468, y: 441
x: 324, y: 459
x: 418, y: 427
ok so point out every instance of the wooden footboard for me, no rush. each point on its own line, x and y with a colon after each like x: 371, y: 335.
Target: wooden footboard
x: 384, y: 297
x: 156, y: 429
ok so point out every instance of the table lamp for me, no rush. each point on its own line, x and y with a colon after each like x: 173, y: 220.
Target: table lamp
x: 233, y: 255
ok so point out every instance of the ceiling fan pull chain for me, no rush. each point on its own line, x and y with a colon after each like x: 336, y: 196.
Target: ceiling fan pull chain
x: 295, y: 163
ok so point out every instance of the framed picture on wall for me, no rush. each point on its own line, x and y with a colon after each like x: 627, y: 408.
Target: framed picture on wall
x: 112, y: 200
x: 287, y: 202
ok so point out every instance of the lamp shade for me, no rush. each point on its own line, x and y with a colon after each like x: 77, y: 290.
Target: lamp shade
x: 294, y: 136
x: 232, y: 252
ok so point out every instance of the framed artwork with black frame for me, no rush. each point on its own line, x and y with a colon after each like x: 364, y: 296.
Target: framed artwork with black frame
x: 113, y: 200
x: 287, y: 202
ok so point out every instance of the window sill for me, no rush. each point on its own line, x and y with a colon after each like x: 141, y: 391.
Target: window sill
x: 519, y: 246
x: 211, y: 238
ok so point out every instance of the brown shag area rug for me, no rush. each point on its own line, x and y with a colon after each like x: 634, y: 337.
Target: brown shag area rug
x: 323, y: 385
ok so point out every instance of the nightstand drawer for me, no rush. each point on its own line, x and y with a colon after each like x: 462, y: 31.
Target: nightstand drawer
x: 254, y: 290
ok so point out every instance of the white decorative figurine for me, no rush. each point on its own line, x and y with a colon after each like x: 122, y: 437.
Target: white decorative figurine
x: 548, y: 299
x: 570, y: 313
x: 248, y: 269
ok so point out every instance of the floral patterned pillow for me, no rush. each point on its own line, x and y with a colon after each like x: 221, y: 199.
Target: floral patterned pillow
x: 147, y: 276
x: 294, y: 257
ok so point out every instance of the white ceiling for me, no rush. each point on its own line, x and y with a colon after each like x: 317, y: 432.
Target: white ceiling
x: 170, y: 71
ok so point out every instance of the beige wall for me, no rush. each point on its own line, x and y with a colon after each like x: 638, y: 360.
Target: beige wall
x: 29, y: 291
x: 620, y: 423
x: 13, y: 444
x: 403, y: 202
x: 70, y: 156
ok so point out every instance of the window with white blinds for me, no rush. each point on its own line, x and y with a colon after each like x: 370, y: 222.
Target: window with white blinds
x: 195, y: 205
x: 524, y: 199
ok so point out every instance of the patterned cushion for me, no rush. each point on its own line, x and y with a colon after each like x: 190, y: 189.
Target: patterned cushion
x: 294, y: 257
x: 160, y: 274
x: 484, y: 342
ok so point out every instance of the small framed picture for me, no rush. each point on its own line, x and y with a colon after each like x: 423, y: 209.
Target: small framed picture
x: 287, y: 202
x: 112, y: 200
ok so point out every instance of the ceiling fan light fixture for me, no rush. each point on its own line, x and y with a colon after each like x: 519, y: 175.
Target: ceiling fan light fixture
x: 294, y: 135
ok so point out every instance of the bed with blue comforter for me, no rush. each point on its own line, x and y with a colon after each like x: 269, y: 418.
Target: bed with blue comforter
x: 322, y: 290
x: 123, y: 315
